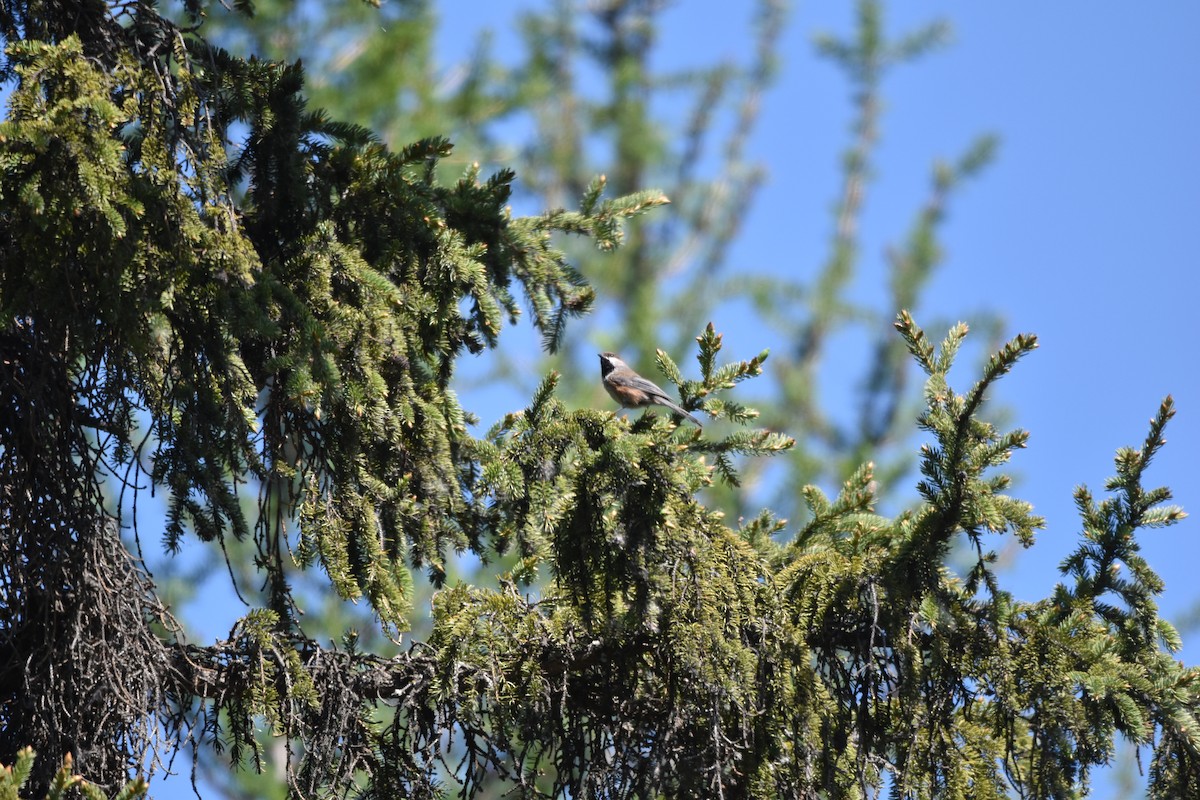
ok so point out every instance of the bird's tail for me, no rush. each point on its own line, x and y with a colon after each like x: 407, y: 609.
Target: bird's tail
x: 679, y: 410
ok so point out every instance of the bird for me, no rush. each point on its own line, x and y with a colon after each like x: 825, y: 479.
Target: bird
x: 632, y: 390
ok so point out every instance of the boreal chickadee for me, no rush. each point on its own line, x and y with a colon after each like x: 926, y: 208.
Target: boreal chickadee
x: 632, y: 390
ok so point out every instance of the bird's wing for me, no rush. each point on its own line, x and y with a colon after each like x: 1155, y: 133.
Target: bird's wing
x: 659, y: 396
x: 641, y: 384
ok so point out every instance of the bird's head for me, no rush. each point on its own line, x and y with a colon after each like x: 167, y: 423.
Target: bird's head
x: 609, y: 362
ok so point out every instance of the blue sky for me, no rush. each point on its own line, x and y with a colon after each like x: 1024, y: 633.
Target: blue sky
x: 1083, y: 231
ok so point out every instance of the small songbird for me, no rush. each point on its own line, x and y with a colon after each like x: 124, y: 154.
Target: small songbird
x: 632, y: 390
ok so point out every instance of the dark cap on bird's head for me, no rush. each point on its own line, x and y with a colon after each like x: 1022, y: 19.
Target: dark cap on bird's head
x: 609, y: 362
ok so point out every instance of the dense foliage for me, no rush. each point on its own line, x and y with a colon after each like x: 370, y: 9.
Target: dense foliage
x: 208, y: 288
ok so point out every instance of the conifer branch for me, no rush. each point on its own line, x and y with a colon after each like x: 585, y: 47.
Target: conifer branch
x: 293, y: 317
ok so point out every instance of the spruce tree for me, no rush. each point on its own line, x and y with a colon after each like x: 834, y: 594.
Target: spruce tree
x: 210, y: 288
